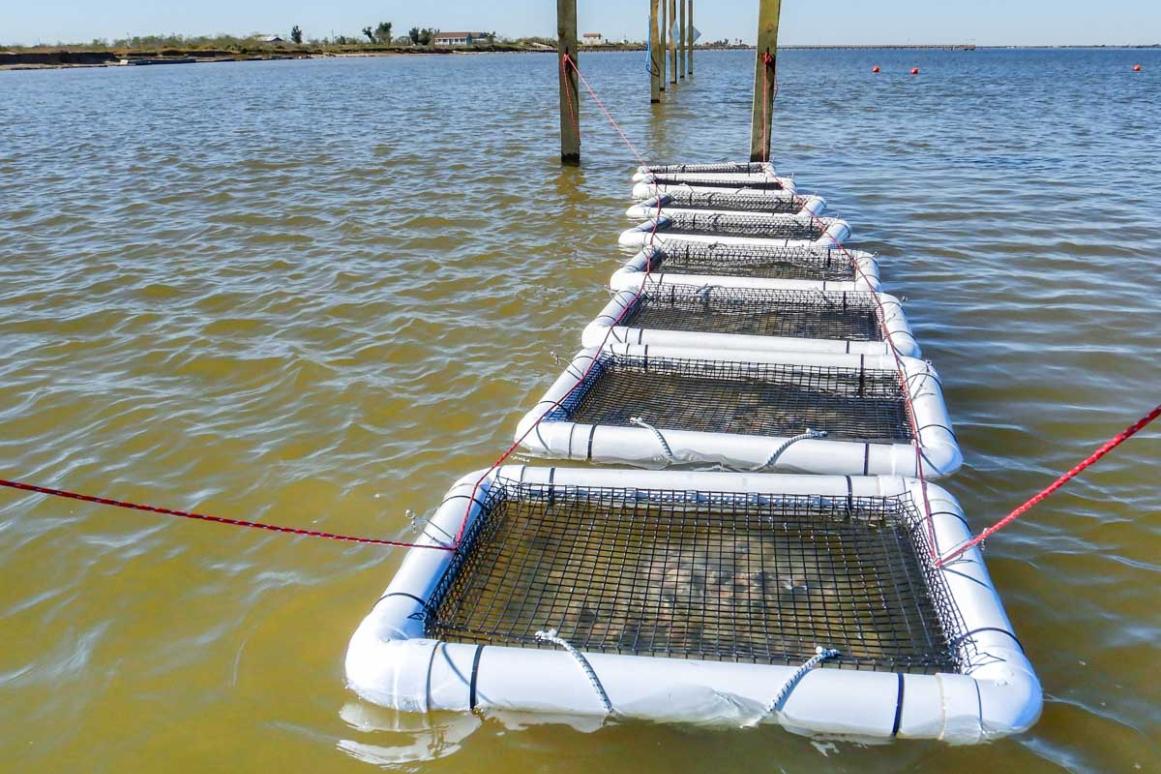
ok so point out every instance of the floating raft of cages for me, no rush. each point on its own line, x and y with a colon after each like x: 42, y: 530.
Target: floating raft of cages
x: 726, y: 318
x: 694, y: 597
x: 749, y: 266
x: 732, y: 228
x: 746, y: 410
x: 739, y: 337
x: 720, y: 202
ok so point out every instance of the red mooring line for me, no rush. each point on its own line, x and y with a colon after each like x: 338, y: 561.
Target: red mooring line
x: 1105, y: 448
x: 214, y: 519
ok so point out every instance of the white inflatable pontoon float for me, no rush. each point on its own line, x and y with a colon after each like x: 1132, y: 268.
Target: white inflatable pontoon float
x: 748, y: 266
x: 699, y: 598
x: 719, y: 318
x: 645, y: 172
x: 795, y: 412
x: 718, y: 203
x: 734, y: 228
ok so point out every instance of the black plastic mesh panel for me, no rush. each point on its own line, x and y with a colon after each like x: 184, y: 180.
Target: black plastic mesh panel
x: 717, y: 182
x: 811, y: 263
x: 754, y: 201
x: 740, y: 167
x: 741, y: 224
x: 794, y: 313
x: 746, y: 398
x: 701, y: 575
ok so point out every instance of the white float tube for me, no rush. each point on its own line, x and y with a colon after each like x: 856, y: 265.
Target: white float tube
x: 390, y: 662
x: 598, y: 331
x: 641, y: 446
x: 805, y: 205
x: 631, y: 276
x: 656, y: 232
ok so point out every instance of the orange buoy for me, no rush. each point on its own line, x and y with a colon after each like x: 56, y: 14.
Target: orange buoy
x: 875, y: 69
x: 1136, y: 68
x: 915, y: 71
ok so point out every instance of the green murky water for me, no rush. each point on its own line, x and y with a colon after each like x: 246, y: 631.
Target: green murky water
x: 317, y: 292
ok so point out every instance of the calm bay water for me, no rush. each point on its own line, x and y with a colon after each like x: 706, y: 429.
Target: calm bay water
x: 317, y: 292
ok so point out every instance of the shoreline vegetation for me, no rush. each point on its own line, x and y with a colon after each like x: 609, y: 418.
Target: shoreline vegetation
x: 176, y: 49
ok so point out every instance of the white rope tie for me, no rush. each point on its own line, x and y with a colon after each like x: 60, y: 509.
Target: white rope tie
x: 552, y: 636
x: 821, y: 654
x: 808, y: 435
x: 664, y: 444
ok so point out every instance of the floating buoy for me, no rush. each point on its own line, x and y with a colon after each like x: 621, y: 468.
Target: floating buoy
x: 915, y: 71
x: 1136, y: 68
x: 875, y: 69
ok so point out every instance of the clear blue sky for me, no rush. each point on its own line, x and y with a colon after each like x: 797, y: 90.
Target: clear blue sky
x: 985, y: 22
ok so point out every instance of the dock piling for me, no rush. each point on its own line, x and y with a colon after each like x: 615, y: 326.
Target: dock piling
x: 664, y: 39
x: 671, y: 38
x: 566, y: 49
x: 765, y: 83
x: 682, y: 33
x: 656, y: 56
x: 689, y: 40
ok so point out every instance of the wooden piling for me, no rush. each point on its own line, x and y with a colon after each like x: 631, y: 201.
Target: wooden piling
x: 682, y: 33
x: 655, y: 54
x: 566, y: 49
x: 664, y: 39
x: 689, y: 40
x: 672, y: 44
x: 765, y: 72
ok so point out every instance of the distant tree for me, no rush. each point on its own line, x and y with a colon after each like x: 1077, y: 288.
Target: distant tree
x: 413, y: 33
x: 426, y: 35
x: 383, y: 32
x: 370, y: 33
x: 296, y: 34
x: 491, y: 36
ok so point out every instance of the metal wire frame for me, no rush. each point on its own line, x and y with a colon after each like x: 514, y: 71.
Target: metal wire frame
x: 739, y: 167
x: 741, y: 224
x: 813, y: 314
x: 736, y: 201
x: 709, y: 181
x: 706, y: 575
x: 766, y: 262
x: 772, y: 399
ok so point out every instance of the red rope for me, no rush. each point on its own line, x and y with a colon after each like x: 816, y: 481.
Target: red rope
x: 1105, y: 448
x: 568, y: 60
x: 592, y: 93
x: 215, y: 519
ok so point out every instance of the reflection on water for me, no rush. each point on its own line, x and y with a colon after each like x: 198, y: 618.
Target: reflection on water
x: 318, y: 292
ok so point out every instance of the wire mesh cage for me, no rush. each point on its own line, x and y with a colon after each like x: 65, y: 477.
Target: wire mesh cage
x: 770, y: 399
x: 739, y: 201
x: 727, y: 167
x: 767, y: 262
x: 851, y: 316
x: 717, y: 181
x: 715, y: 576
x: 743, y: 224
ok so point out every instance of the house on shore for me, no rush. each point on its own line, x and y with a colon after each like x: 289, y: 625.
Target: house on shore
x: 459, y: 38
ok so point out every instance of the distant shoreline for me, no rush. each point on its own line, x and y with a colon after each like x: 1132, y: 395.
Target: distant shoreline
x: 51, y: 57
